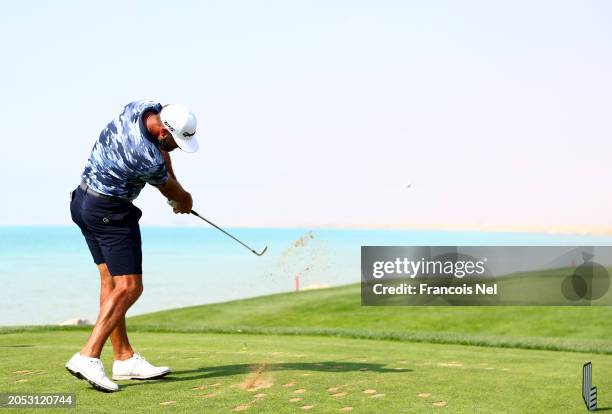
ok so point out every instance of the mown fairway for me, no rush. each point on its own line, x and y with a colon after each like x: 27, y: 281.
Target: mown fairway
x: 338, y: 312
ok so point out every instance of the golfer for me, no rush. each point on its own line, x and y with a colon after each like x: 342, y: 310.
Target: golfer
x: 132, y: 150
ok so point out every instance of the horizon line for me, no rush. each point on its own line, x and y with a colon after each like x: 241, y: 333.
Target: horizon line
x: 478, y: 228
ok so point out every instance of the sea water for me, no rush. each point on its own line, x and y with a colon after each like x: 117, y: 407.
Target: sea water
x: 47, y: 274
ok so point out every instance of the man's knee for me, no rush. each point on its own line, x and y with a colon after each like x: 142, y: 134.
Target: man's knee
x: 129, y: 286
x: 130, y: 293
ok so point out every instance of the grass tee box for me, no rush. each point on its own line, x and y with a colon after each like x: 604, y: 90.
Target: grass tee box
x: 323, y: 351
x: 223, y: 373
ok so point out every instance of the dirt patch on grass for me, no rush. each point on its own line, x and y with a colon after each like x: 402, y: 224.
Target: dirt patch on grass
x: 450, y: 364
x: 259, y: 379
x: 203, y: 387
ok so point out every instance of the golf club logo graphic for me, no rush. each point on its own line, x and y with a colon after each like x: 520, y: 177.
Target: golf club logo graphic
x: 589, y: 393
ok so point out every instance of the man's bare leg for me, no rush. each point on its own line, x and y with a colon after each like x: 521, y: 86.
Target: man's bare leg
x: 127, y: 289
x: 119, y: 338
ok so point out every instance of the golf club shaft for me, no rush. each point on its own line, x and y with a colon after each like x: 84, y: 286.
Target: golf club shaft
x: 219, y: 228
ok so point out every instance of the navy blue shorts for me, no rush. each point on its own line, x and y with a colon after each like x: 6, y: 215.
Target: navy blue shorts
x: 111, y: 231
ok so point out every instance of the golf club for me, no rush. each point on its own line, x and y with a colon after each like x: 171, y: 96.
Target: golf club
x: 172, y: 203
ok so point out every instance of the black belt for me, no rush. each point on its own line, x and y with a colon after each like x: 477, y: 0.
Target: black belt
x: 94, y: 193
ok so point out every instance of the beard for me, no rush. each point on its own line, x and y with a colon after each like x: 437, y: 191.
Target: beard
x: 166, y: 145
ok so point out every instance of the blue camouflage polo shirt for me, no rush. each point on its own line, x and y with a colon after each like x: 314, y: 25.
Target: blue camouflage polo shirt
x: 126, y: 156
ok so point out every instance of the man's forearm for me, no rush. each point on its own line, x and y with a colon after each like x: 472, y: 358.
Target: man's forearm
x: 173, y: 190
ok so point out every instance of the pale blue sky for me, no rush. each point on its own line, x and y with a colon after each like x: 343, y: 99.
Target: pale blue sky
x: 316, y: 113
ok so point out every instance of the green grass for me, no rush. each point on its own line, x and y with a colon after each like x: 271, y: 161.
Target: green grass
x: 528, y: 359
x: 468, y: 379
x: 337, y: 312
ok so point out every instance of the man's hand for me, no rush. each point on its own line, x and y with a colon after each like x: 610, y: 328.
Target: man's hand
x: 183, y: 206
x: 175, y: 192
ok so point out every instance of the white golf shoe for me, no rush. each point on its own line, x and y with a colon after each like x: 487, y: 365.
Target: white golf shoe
x: 137, y: 368
x: 92, y: 371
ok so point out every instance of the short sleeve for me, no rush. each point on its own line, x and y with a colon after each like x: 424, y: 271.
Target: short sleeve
x: 156, y: 175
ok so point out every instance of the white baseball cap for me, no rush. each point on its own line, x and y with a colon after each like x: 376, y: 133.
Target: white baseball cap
x: 181, y: 123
